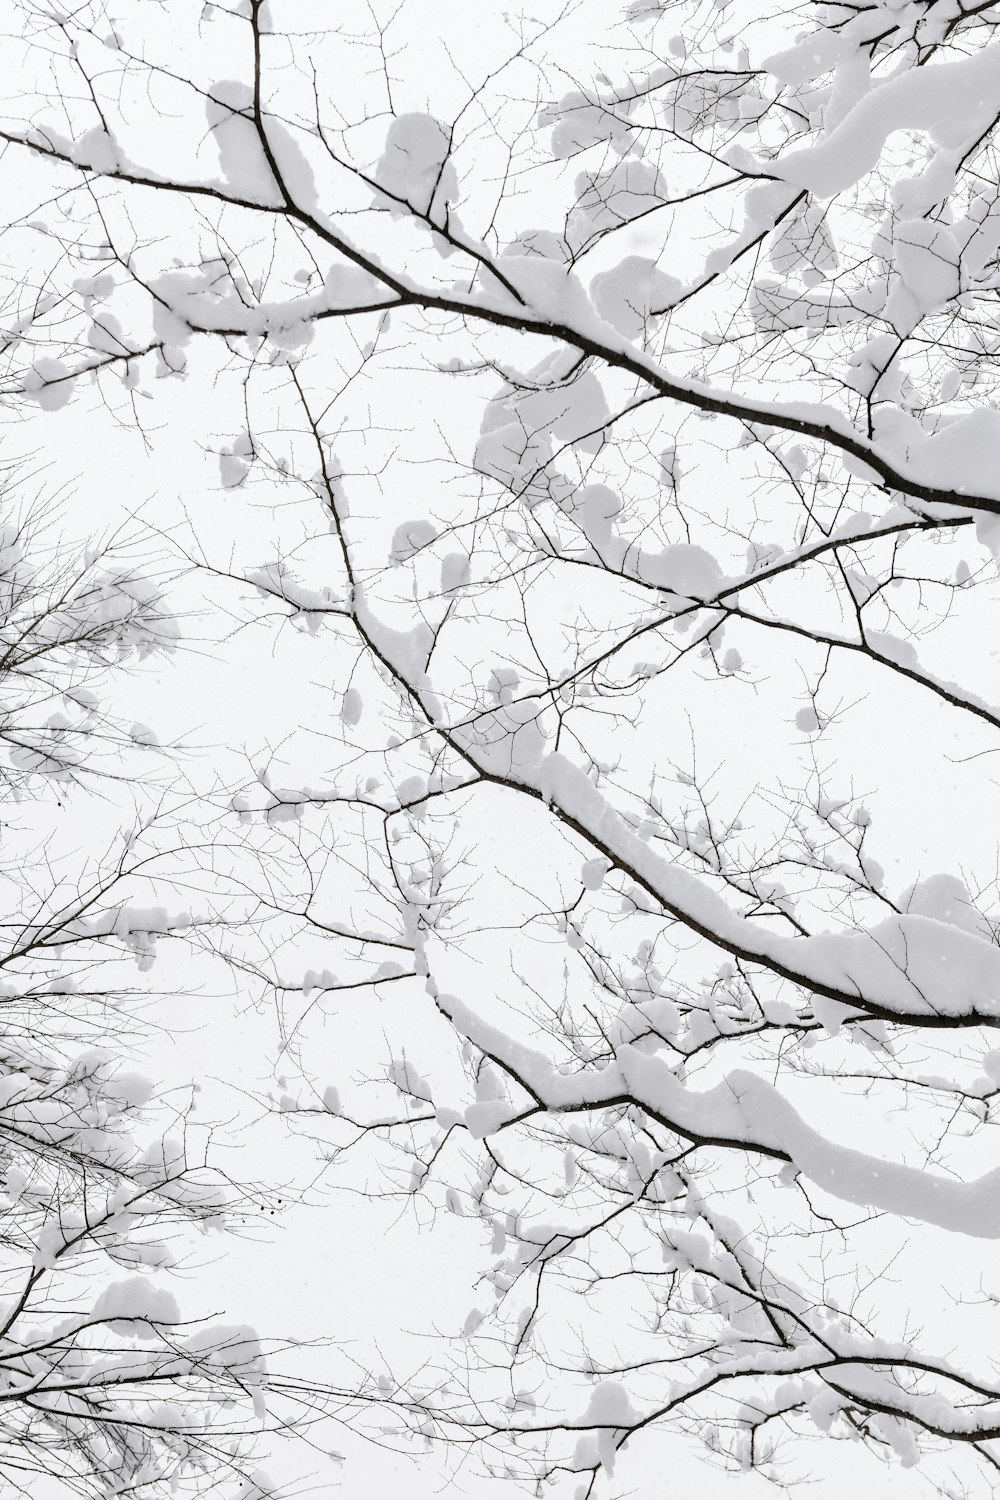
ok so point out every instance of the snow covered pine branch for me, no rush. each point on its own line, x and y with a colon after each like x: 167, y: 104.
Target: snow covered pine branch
x: 642, y: 392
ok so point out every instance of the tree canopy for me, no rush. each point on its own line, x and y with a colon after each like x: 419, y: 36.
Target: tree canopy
x: 623, y: 387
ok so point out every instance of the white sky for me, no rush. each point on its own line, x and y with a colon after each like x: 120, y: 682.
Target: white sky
x: 348, y: 1271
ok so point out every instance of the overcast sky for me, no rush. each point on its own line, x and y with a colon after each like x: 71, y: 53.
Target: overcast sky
x: 376, y: 1280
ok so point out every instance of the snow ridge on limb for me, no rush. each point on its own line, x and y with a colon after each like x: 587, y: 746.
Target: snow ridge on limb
x: 953, y: 101
x: 743, y: 1112
x: 907, y: 968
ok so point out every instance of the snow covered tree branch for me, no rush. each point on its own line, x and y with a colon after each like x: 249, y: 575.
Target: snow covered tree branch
x: 106, y: 1386
x: 642, y: 396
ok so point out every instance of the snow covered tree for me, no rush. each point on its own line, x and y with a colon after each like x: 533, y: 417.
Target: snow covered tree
x: 106, y: 1386
x: 638, y: 371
